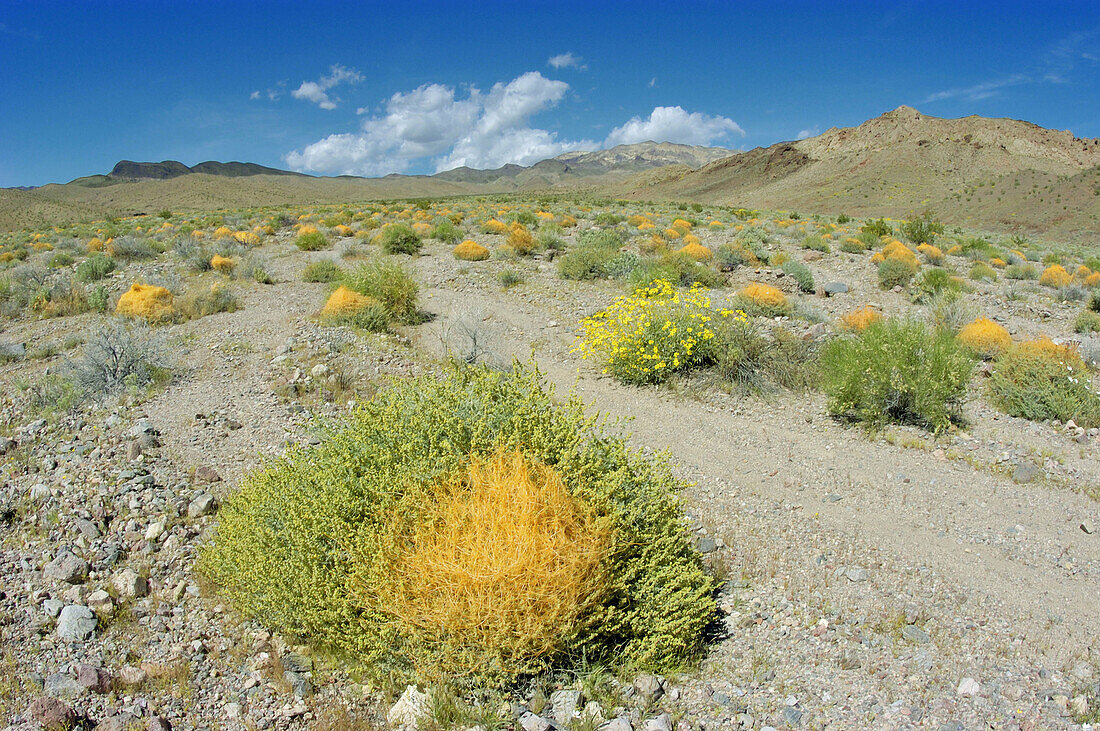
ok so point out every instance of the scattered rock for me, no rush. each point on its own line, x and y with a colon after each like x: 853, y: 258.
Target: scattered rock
x: 649, y: 688
x: 53, y: 607
x: 1087, y: 527
x: 857, y: 573
x: 835, y: 288
x: 119, y: 722
x: 13, y: 351
x: 68, y: 568
x: 409, y: 709
x: 565, y: 704
x: 617, y: 724
x: 129, y: 584
x: 62, y: 685
x: 131, y: 676
x: 792, y: 716
x: 76, y: 623
x: 530, y: 722
x: 97, y: 680
x: 207, y: 474
x: 660, y: 723
x: 7, y: 445
x: 52, y: 714
x: 915, y: 635
x: 1025, y: 472
x: 204, y: 504
x: 968, y: 687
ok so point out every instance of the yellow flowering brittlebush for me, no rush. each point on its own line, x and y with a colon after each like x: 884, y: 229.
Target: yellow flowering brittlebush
x: 657, y: 330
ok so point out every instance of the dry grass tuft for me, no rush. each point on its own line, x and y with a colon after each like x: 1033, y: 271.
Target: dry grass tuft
x: 146, y: 301
x: 504, y: 563
x: 223, y: 264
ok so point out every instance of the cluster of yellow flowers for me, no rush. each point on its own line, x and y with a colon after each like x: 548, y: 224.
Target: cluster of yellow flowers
x: 645, y: 336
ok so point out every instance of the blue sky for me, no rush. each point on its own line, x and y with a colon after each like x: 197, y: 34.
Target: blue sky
x: 371, y: 88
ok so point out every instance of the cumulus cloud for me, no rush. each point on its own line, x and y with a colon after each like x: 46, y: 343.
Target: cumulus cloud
x: 317, y: 91
x: 674, y: 124
x: 435, y: 126
x: 807, y: 133
x: 254, y: 95
x: 567, y: 61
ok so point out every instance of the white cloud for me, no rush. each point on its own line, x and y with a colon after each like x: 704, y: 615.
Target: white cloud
x: 254, y: 95
x: 317, y: 91
x: 978, y: 91
x: 673, y: 124
x: 434, y: 126
x: 653, y: 82
x: 567, y: 61
x: 806, y: 133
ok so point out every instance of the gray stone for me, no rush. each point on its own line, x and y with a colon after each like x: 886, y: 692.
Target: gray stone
x: 915, y: 635
x: 564, y: 705
x: 156, y: 723
x: 62, y: 685
x: 622, y: 723
x: 129, y: 584
x: 68, y: 568
x: 204, y: 504
x: 53, y: 607
x: 792, y: 716
x: 648, y: 687
x: 409, y: 710
x: 1026, y: 472
x: 660, y: 723
x: 207, y: 474
x: 530, y: 722
x: 706, y: 545
x: 835, y: 288
x: 7, y: 445
x: 76, y: 623
x: 296, y: 663
x: 299, y: 683
x: 119, y: 722
x: 1087, y: 527
x: 97, y: 680
x: 87, y: 528
x: 856, y: 573
x: 969, y: 687
x: 132, y: 676
x: 101, y: 603
x: 13, y: 351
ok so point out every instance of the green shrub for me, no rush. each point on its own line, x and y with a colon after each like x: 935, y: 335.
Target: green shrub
x: 1021, y: 271
x: 388, y: 282
x: 815, y: 243
x: 308, y: 545
x: 982, y: 272
x: 752, y: 361
x: 94, y: 268
x: 1094, y: 302
x: 322, y: 271
x: 729, y: 257
x: 1087, y: 322
x: 935, y: 280
x: 202, y: 301
x: 1039, y: 380
x: 800, y: 273
x: 896, y: 371
x: 893, y: 272
x: 843, y: 218
x: 608, y: 219
x: 922, y: 230
x: 680, y: 269
x: 877, y: 228
x: 549, y: 240
x: 61, y: 259
x: 510, y: 278
x: 399, y: 238
x: 446, y: 232
x: 311, y: 241
x: 592, y: 257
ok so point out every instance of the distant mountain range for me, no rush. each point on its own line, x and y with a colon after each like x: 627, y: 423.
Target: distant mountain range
x: 993, y: 174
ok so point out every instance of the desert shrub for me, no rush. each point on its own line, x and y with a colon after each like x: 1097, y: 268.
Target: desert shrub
x: 982, y: 272
x: 323, y: 270
x: 470, y: 251
x: 448, y: 496
x: 950, y: 311
x: 815, y: 243
x: 592, y: 256
x: 446, y: 232
x: 752, y: 360
x: 1055, y: 276
x: 1021, y: 271
x: 348, y: 307
x: 521, y: 240
x: 934, y: 281
x: 388, y: 282
x: 61, y: 260
x: 117, y: 356
x: 730, y: 256
x: 223, y: 264
x: 549, y: 240
x: 493, y: 226
x: 147, y: 302
x: 312, y: 240
x: 921, y: 230
x: 985, y: 338
x: 762, y: 300
x: 1087, y: 321
x: 95, y: 267
x: 257, y: 272
x: 1094, y: 302
x: 877, y: 228
x: 201, y: 301
x: 509, y: 278
x: 860, y: 318
x: 398, y: 238
x: 843, y: 218
x: 695, y: 250
x: 895, y: 273
x: 130, y: 248
x: 1071, y: 293
x: 896, y: 371
x: 1040, y: 380
x: 854, y: 245
x: 680, y: 269
x: 646, y: 336
x: 800, y: 273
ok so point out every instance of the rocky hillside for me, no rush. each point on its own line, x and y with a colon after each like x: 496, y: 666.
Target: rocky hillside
x: 129, y: 170
x: 1001, y: 174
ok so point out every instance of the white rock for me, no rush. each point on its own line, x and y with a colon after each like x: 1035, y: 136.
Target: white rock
x: 410, y: 709
x: 969, y: 687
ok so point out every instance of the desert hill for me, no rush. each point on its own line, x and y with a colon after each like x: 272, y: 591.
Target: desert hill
x: 1001, y: 174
